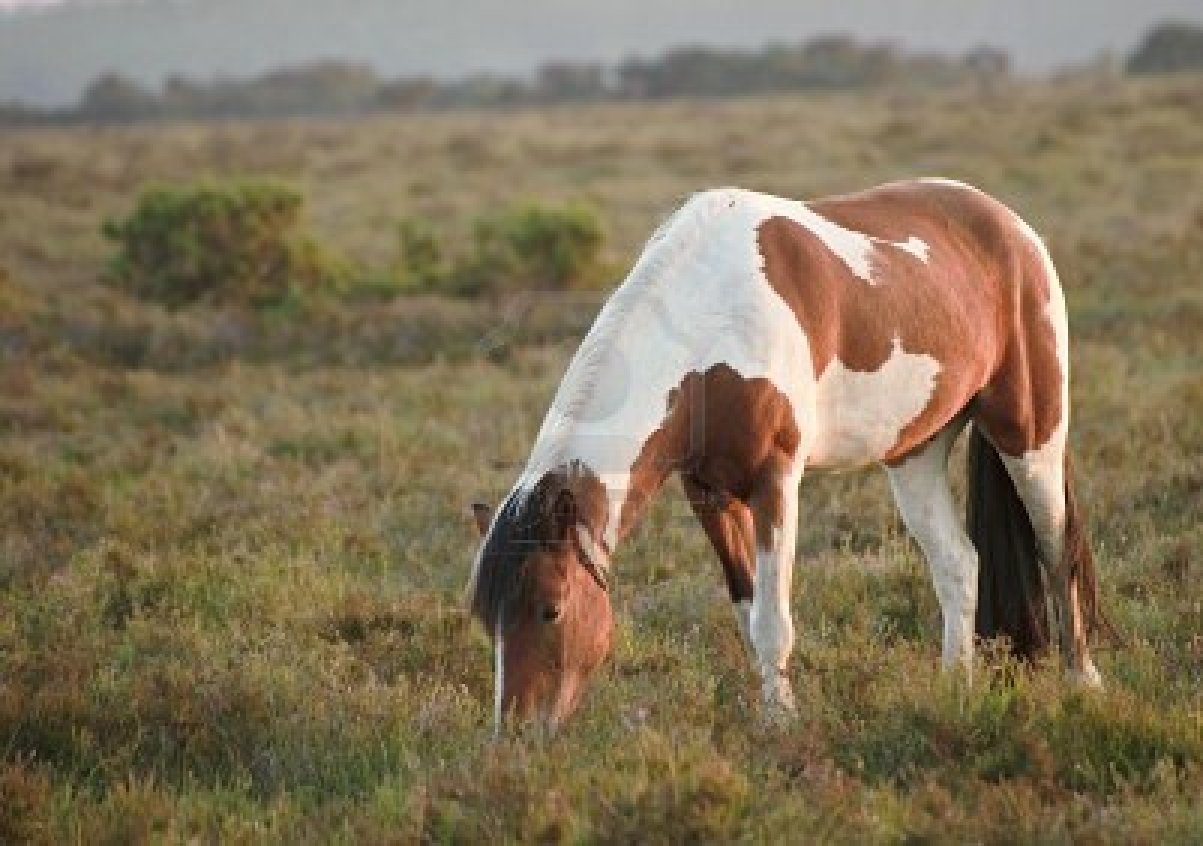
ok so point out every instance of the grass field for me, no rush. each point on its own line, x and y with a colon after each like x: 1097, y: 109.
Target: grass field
x: 233, y: 546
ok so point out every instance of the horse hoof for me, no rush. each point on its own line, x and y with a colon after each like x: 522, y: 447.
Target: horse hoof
x: 1087, y: 678
x: 779, y: 704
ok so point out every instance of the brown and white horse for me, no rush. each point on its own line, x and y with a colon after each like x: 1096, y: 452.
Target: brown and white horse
x: 758, y: 337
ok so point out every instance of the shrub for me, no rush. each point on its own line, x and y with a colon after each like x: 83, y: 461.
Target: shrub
x: 423, y: 263
x: 236, y: 243
x: 531, y: 247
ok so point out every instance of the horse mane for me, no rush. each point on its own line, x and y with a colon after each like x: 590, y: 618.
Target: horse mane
x: 669, y: 243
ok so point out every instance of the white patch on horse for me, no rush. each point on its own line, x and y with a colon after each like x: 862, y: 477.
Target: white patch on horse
x: 950, y: 183
x: 914, y: 245
x: 860, y: 415
x: 854, y: 249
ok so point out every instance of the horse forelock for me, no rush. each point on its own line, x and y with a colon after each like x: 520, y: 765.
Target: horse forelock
x: 497, y: 579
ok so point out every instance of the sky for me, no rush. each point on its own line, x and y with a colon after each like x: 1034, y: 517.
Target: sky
x: 50, y: 50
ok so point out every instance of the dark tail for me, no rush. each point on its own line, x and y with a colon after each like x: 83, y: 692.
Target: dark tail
x: 1011, y: 594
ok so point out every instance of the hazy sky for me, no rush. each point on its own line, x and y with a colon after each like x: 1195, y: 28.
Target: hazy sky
x: 50, y: 50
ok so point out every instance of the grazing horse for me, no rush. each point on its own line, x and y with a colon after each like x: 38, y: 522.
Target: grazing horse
x: 758, y: 337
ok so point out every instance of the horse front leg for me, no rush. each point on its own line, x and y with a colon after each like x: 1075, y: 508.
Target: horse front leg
x: 774, y: 505
x: 728, y: 525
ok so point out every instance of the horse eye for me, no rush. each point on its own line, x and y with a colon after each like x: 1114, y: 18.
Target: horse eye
x: 550, y: 612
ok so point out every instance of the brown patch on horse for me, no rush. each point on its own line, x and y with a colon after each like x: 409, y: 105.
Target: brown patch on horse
x: 969, y: 306
x: 1020, y: 407
x: 723, y: 431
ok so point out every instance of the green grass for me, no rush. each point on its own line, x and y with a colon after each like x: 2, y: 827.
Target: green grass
x: 233, y: 546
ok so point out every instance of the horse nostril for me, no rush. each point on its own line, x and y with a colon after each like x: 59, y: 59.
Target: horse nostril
x: 550, y: 612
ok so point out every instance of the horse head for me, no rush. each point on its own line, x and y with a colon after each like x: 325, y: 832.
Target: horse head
x: 540, y: 588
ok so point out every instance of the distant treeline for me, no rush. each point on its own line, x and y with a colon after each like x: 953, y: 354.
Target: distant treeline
x: 331, y: 87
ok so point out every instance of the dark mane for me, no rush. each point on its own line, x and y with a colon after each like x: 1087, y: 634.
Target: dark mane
x: 525, y: 521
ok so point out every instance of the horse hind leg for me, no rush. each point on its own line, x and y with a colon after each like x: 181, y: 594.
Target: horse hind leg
x: 1024, y: 410
x: 921, y: 491
x: 1042, y: 482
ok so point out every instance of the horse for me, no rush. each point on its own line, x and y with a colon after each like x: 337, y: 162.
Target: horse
x: 758, y: 337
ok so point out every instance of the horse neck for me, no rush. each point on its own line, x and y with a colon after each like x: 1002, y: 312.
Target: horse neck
x: 627, y: 442
x: 610, y: 411
x: 614, y: 472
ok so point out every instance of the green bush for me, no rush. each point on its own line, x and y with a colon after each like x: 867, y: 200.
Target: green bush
x: 422, y: 265
x: 234, y: 243
x: 531, y: 247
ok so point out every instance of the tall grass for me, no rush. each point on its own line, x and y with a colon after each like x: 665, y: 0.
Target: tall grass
x: 233, y: 546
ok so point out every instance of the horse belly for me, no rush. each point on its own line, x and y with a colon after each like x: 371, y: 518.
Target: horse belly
x: 861, y: 417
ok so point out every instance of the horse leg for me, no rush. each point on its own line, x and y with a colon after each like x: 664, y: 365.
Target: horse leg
x: 1040, y: 481
x: 728, y: 524
x: 774, y: 506
x: 924, y: 499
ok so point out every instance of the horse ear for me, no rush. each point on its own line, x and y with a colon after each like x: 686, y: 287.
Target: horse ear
x: 483, y: 514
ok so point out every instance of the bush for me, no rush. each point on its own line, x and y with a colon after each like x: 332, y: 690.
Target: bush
x: 236, y: 243
x: 423, y: 264
x: 531, y: 247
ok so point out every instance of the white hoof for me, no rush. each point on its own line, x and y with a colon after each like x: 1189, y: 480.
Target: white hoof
x: 779, y: 704
x: 1087, y: 677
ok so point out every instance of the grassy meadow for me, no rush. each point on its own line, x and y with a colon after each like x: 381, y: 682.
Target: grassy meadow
x: 233, y: 545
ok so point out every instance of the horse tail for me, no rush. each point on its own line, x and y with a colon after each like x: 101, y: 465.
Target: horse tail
x: 1080, y: 563
x: 1011, y: 593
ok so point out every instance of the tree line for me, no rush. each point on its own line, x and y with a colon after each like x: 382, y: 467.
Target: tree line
x: 334, y: 88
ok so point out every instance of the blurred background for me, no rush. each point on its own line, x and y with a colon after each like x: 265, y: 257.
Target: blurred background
x: 111, y: 59
x: 286, y: 284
